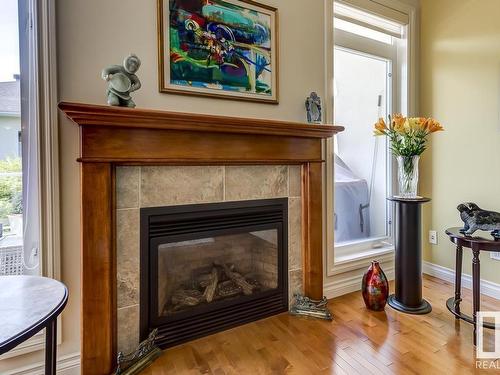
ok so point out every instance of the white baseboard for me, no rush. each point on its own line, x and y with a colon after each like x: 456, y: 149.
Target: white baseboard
x: 349, y: 283
x: 66, y: 365
x: 488, y: 288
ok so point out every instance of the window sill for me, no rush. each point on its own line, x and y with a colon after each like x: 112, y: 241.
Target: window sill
x: 359, y: 259
x: 33, y: 344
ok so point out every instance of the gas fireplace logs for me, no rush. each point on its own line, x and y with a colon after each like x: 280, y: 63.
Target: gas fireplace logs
x: 223, y: 281
x: 210, y: 289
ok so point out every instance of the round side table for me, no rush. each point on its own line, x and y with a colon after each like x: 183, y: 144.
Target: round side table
x: 476, y: 244
x: 408, y: 263
x: 29, y: 304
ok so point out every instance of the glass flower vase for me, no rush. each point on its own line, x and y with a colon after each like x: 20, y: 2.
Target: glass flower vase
x: 408, y: 176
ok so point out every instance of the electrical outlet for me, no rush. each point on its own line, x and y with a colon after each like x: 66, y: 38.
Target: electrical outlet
x: 433, y: 237
x: 495, y: 255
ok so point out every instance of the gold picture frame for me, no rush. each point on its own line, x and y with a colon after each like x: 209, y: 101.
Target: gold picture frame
x: 241, y: 63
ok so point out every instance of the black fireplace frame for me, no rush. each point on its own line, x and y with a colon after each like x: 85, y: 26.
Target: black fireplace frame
x: 160, y: 225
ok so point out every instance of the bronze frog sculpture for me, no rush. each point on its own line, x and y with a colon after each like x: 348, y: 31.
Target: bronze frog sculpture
x: 475, y: 218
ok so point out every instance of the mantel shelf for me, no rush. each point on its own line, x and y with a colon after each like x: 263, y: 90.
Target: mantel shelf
x: 100, y: 115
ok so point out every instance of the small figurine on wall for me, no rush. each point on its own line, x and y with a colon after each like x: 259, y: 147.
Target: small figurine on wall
x: 122, y: 81
x: 476, y: 218
x: 313, y: 108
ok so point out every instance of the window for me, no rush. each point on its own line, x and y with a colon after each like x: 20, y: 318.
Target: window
x: 11, y: 168
x: 369, y: 83
x: 362, y: 94
x: 20, y: 183
x: 29, y: 202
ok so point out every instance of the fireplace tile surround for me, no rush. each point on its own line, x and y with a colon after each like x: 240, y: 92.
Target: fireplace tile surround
x: 138, y: 187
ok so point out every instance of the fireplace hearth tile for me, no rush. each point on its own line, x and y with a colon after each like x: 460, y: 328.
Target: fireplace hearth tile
x: 256, y: 182
x: 294, y: 233
x: 163, y: 186
x: 128, y: 329
x: 127, y: 187
x: 127, y: 257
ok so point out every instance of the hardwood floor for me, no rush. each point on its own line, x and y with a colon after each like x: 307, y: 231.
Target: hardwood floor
x: 358, y: 341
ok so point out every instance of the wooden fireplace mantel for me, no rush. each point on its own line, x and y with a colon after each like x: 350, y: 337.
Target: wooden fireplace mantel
x: 111, y: 136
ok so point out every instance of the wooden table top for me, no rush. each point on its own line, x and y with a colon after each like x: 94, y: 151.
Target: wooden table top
x: 27, y: 305
x: 484, y: 240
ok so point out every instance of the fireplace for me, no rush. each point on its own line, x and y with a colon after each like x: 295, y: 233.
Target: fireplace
x: 209, y: 267
x: 113, y: 136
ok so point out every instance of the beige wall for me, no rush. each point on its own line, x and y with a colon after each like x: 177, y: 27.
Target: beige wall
x: 96, y: 33
x: 460, y: 86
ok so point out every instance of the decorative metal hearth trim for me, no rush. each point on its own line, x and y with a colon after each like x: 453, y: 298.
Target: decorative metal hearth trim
x: 142, y: 357
x: 306, y: 306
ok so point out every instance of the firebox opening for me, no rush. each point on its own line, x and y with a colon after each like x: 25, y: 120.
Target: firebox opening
x: 208, y: 270
x: 209, y: 267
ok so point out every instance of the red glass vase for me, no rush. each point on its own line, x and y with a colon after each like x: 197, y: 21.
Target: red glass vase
x: 375, y: 288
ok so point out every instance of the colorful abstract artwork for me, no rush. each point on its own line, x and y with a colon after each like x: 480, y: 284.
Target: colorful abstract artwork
x: 222, y: 48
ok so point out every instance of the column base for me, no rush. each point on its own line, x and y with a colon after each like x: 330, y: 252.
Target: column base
x: 424, y: 308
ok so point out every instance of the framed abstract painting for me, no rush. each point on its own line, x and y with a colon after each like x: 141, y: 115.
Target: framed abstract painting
x: 221, y: 48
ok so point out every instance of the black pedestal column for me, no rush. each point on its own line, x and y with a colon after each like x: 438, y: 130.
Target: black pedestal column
x: 408, y: 263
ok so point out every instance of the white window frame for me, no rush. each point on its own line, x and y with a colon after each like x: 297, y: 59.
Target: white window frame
x: 338, y: 258
x: 43, y: 20
x: 378, y: 50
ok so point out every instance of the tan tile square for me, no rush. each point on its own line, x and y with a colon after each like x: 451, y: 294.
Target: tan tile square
x: 294, y: 181
x: 294, y: 233
x: 128, y: 329
x: 256, y: 182
x: 127, y: 257
x: 294, y: 284
x: 127, y: 187
x: 166, y: 185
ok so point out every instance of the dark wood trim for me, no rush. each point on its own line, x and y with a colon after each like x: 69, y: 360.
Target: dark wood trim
x: 180, y: 162
x: 108, y: 144
x: 91, y: 114
x: 484, y: 241
x: 111, y: 136
x: 477, y: 244
x: 98, y: 285
x: 312, y: 229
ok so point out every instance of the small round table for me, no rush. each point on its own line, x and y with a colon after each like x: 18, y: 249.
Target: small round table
x: 476, y: 244
x: 408, y: 260
x: 29, y: 304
